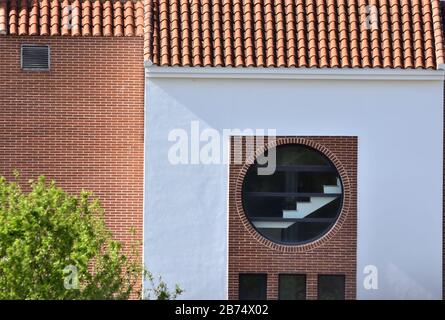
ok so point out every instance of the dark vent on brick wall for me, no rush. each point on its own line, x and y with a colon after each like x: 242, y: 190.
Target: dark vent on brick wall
x: 35, y: 57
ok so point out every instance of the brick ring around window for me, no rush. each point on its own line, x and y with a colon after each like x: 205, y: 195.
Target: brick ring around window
x: 345, y: 207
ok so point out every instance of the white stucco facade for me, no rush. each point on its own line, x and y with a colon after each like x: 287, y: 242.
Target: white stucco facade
x: 399, y: 125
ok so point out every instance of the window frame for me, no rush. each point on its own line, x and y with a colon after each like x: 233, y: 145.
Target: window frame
x: 334, y: 220
x: 292, y: 274
x: 343, y: 276
x: 263, y: 287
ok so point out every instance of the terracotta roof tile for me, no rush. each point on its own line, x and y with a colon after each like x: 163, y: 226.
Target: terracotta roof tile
x: 12, y: 18
x: 107, y: 18
x: 3, y: 16
x: 207, y: 33
x: 406, y: 34
x: 249, y: 48
x: 72, y: 17
x: 438, y: 35
x: 227, y: 33
x: 66, y: 18
x: 97, y: 18
x: 34, y: 18
x: 76, y: 18
x: 196, y: 44
x: 118, y: 19
x: 365, y: 54
x: 290, y: 34
x: 238, y: 33
x: 217, y: 34
x: 45, y: 22
x: 386, y: 35
x: 23, y: 17
x: 249, y: 33
x: 54, y: 18
x: 354, y: 34
x: 301, y: 35
x: 428, y: 33
x: 185, y: 35
x: 129, y: 18
x: 397, y: 45
x: 258, y: 33
x: 165, y: 41
x: 86, y: 18
x: 343, y: 34
x: 139, y: 17
x: 175, y: 33
x: 280, y: 36
x: 295, y: 33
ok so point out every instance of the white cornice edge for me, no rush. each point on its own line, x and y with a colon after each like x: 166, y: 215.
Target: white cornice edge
x: 441, y: 66
x: 153, y: 71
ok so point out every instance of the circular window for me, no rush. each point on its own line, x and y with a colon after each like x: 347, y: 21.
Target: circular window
x: 299, y: 202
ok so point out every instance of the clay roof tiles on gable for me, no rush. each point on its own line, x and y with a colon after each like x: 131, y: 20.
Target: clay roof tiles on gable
x: 72, y: 17
x: 249, y: 33
x: 294, y: 33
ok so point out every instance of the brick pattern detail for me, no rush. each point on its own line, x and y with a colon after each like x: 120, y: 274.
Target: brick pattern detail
x: 334, y: 253
x: 81, y: 123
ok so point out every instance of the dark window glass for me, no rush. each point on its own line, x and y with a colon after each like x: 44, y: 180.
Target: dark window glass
x: 292, y: 287
x: 331, y: 287
x: 252, y: 286
x: 299, y: 202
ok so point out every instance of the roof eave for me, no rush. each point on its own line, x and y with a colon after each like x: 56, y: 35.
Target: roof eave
x: 154, y: 71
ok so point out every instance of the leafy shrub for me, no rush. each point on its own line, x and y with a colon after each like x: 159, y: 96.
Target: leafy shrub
x: 56, y: 246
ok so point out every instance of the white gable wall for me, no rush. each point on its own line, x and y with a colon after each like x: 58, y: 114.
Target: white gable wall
x: 399, y: 128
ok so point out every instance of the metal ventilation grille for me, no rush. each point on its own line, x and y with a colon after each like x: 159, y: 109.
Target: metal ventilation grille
x: 35, y: 57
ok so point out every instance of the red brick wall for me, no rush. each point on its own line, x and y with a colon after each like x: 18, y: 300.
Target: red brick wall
x: 334, y: 253
x: 81, y: 123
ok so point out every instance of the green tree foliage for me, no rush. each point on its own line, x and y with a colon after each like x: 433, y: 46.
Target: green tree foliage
x: 56, y: 246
